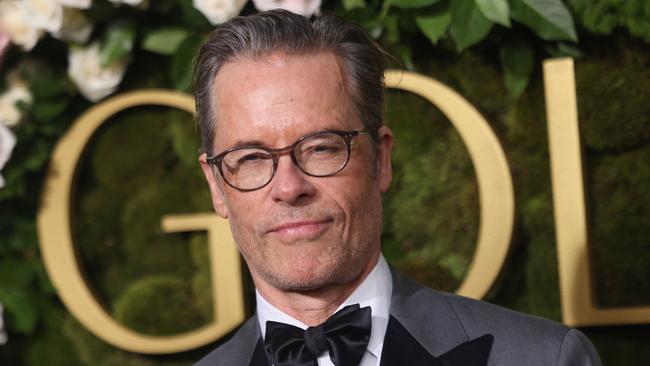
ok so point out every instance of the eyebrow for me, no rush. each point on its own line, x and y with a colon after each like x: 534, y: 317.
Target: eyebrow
x: 260, y: 143
x: 244, y: 143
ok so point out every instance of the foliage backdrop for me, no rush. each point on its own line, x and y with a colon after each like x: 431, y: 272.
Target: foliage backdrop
x: 488, y: 51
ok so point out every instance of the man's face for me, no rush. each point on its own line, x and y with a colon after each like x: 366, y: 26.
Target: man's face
x: 298, y: 232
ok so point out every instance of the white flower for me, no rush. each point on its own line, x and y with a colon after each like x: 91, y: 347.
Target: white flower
x: 13, y: 22
x: 128, y: 2
x: 7, y: 143
x: 79, y: 4
x: 94, y: 81
x: 76, y: 27
x: 302, y: 7
x: 3, y: 334
x: 218, y: 11
x: 10, y: 114
x: 44, y: 14
x: 17, y: 92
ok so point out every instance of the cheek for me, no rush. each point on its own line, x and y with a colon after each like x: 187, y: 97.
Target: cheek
x: 244, y: 215
x: 239, y: 203
x: 361, y: 202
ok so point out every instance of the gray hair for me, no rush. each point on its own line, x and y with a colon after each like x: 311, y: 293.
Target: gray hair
x: 262, y: 34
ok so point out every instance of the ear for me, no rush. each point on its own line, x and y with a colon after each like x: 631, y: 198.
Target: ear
x: 216, y: 187
x: 384, y: 149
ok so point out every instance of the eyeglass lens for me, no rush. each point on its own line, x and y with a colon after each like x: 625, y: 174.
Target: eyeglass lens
x: 319, y: 155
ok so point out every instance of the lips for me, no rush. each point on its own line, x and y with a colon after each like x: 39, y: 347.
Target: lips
x: 300, y: 228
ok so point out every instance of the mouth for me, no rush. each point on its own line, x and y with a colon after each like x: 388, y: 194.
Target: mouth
x: 301, y: 229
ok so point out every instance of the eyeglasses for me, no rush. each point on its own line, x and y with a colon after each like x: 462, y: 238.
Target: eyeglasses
x: 321, y: 154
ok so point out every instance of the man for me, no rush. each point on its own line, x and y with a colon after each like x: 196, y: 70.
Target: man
x: 296, y: 157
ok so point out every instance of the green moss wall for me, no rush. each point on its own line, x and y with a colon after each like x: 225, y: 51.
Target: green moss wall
x: 142, y: 165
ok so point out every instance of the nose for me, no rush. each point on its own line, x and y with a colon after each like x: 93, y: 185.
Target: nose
x: 290, y: 185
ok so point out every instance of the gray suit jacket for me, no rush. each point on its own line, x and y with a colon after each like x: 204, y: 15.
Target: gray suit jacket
x: 440, y: 322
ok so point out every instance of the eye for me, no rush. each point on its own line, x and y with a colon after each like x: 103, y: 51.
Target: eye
x: 324, y: 148
x: 245, y: 158
x: 321, y: 150
x: 251, y: 158
x: 321, y: 147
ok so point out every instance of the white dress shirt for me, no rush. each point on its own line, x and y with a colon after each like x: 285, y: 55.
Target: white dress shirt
x: 375, y: 291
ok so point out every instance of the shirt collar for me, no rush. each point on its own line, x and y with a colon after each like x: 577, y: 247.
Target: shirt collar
x: 374, y: 291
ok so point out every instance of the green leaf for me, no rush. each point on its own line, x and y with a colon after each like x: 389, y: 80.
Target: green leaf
x: 517, y: 61
x: 102, y: 12
x: 563, y: 49
x: 49, y: 85
x: 181, y: 69
x: 406, y: 56
x: 353, y: 4
x: 434, y: 26
x: 549, y: 19
x: 455, y: 265
x: 15, y: 273
x: 192, y: 16
x: 40, y: 153
x: 365, y: 17
x: 411, y: 4
x: 118, y: 42
x: 164, y: 41
x: 43, y: 280
x: 468, y: 25
x: 391, y: 25
x: 497, y: 11
x: 375, y: 31
x: 163, y: 6
x: 46, y: 111
x: 24, y: 234
x: 20, y: 309
x: 183, y: 137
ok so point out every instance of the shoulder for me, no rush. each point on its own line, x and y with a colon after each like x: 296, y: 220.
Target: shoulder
x: 482, y: 317
x: 518, y: 338
x: 522, y: 336
x: 473, y: 317
x: 237, y: 350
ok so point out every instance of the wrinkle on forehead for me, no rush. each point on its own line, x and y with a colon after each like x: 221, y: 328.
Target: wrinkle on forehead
x: 267, y: 92
x: 280, y: 62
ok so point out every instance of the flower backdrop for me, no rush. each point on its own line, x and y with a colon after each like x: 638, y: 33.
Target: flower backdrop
x: 58, y: 57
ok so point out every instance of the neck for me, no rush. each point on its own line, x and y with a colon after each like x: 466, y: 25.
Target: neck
x: 313, y: 307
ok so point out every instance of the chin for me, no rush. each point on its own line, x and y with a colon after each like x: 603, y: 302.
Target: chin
x: 307, y: 275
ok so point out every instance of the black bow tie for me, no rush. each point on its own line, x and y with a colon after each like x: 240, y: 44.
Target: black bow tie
x: 345, y: 335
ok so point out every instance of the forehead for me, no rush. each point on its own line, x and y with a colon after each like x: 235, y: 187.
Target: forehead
x: 279, y: 98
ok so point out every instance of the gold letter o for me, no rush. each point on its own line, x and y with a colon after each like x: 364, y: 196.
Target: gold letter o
x: 494, y: 181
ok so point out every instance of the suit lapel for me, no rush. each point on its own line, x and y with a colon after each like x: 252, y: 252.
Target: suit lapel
x: 430, y: 322
x: 426, y: 315
x: 259, y: 355
x: 242, y: 348
x: 473, y: 353
x: 400, y: 346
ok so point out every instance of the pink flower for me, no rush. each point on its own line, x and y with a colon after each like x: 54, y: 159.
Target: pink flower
x: 4, y: 45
